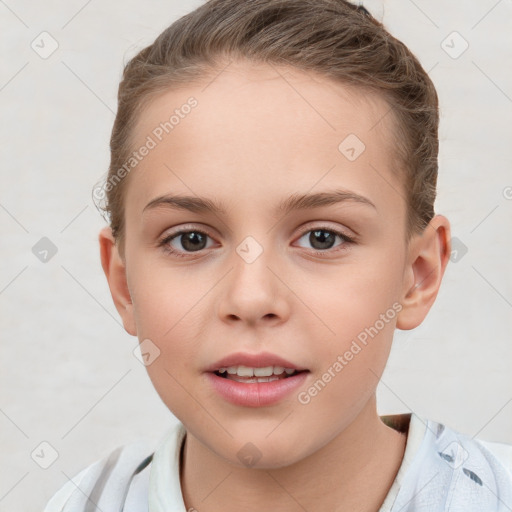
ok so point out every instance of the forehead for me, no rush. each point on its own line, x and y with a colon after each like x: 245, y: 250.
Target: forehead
x: 260, y: 131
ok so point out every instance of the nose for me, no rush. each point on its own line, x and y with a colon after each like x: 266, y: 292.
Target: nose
x: 254, y: 292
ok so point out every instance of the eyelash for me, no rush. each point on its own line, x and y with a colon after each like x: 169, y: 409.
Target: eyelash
x: 165, y: 241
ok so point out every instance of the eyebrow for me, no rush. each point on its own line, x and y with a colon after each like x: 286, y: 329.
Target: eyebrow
x: 296, y: 201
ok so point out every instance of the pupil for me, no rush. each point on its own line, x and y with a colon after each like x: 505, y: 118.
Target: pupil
x: 326, y: 242
x: 190, y: 241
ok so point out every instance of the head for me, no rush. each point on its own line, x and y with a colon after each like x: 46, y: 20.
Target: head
x: 243, y: 107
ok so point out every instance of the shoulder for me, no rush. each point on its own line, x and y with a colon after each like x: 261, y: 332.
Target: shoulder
x: 472, y: 455
x: 501, y: 451
x: 456, y: 472
x: 108, y: 483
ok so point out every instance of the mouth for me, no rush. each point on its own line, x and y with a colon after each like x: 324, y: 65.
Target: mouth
x: 250, y: 375
x: 257, y: 386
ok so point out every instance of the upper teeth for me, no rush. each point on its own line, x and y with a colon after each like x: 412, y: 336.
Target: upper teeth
x: 245, y: 371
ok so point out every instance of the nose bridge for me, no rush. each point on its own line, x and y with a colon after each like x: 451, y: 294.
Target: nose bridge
x: 251, y: 276
x: 253, y: 290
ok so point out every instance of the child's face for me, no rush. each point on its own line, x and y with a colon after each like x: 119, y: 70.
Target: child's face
x: 254, y: 140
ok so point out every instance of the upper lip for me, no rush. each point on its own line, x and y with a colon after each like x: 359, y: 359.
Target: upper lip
x: 260, y: 360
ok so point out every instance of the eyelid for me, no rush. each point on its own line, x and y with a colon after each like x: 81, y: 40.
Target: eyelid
x: 326, y: 225
x: 309, y: 226
x: 185, y: 228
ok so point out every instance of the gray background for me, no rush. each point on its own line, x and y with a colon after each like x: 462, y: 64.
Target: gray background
x: 68, y: 373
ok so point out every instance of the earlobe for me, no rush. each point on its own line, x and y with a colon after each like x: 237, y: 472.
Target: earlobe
x: 115, y: 272
x: 429, y: 256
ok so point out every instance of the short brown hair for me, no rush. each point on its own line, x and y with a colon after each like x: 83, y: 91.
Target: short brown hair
x: 333, y: 38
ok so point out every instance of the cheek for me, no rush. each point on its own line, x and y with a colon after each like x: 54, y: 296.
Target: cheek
x: 348, y: 372
x: 352, y: 314
x: 342, y: 303
x: 172, y: 380
x: 171, y: 309
x: 164, y: 300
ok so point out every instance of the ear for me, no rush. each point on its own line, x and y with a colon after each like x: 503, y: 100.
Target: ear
x: 115, y: 271
x: 428, y: 256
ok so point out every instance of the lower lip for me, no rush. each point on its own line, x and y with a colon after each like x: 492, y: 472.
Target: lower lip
x: 256, y: 394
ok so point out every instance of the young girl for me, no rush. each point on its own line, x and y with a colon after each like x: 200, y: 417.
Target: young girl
x: 270, y: 196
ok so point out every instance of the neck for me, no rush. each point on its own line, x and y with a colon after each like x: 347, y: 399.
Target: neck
x: 353, y: 471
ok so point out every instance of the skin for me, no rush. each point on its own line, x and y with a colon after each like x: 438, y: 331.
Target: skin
x: 251, y: 142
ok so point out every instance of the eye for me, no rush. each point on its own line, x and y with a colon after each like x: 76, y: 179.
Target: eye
x: 190, y: 241
x: 322, y: 239
x: 184, y: 243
